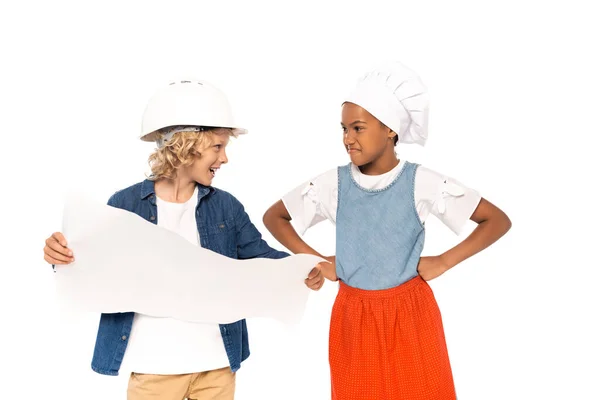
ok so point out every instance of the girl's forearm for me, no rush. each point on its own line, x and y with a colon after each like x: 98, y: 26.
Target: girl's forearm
x: 282, y: 230
x: 488, y: 231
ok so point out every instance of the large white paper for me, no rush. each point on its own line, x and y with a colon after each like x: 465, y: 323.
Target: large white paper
x: 124, y: 263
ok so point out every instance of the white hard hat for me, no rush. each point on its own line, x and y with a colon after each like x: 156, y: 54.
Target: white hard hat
x: 187, y: 103
x: 396, y: 96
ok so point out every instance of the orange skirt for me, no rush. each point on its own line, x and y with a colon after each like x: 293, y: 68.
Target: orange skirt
x: 389, y: 345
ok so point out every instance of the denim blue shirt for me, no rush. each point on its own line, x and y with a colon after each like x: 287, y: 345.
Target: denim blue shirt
x: 225, y: 228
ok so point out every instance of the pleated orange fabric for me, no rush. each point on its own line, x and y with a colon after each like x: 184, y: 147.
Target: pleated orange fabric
x: 389, y: 345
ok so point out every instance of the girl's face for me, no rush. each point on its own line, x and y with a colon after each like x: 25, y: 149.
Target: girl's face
x: 366, y: 139
x: 207, y: 163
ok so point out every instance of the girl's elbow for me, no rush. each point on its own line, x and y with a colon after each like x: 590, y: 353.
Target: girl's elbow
x: 505, y: 222
x: 267, y: 218
x: 270, y: 218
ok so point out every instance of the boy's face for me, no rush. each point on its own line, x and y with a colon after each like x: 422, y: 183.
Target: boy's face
x: 365, y: 137
x: 207, y: 163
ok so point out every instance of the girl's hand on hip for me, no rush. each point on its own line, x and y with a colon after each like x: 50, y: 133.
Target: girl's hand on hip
x: 431, y: 267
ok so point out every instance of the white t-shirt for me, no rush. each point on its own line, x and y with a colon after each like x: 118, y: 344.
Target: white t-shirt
x: 166, y: 346
x: 447, y: 199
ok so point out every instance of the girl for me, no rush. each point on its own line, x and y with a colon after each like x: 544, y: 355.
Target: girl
x: 191, y: 123
x: 386, y: 335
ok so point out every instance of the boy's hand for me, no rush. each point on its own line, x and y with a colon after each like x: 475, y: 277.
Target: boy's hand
x: 56, y: 251
x: 323, y: 270
x: 431, y: 267
x: 315, y: 278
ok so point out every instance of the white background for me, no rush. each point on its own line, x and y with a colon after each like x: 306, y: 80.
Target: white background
x: 514, y: 114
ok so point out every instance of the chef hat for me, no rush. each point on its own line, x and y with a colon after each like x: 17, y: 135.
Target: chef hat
x: 395, y: 95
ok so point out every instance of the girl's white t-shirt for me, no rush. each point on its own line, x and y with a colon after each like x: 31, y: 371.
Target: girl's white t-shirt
x: 166, y: 346
x: 449, y: 200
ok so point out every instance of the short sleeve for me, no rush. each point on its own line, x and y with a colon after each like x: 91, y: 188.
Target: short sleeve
x: 313, y: 201
x: 449, y: 200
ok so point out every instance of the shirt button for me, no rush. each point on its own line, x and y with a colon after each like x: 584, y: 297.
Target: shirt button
x: 152, y: 218
x: 123, y: 337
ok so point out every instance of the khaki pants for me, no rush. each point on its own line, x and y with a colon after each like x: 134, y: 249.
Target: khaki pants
x: 210, y: 385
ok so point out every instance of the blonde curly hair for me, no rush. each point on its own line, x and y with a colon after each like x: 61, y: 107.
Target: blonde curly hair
x: 181, y: 150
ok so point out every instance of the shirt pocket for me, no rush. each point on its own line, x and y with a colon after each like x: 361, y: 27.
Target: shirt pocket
x: 221, y: 237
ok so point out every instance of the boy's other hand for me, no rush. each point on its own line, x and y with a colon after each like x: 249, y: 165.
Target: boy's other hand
x: 56, y: 251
